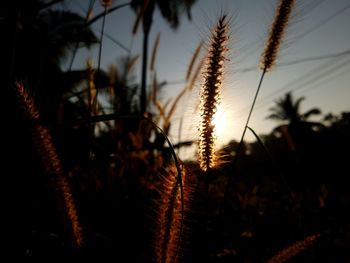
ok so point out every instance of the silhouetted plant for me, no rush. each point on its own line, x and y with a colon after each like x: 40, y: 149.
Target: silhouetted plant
x: 210, y: 94
x: 109, y: 150
x: 295, y: 124
x: 288, y: 110
x: 52, y: 163
x: 170, y: 11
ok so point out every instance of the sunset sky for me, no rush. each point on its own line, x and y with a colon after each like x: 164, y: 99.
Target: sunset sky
x: 314, y: 60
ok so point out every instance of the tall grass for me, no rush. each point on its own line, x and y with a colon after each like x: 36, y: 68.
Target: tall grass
x: 210, y: 93
x: 52, y: 164
x: 268, y: 57
x: 169, y: 230
x: 272, y: 46
x: 291, y: 251
x: 175, y: 192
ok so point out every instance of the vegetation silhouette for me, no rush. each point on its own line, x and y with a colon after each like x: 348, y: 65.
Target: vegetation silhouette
x: 291, y: 205
x: 170, y: 10
x: 296, y: 126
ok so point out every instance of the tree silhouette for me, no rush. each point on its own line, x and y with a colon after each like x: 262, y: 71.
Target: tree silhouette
x: 40, y: 37
x: 286, y: 109
x: 170, y: 10
x: 295, y: 125
x: 37, y: 35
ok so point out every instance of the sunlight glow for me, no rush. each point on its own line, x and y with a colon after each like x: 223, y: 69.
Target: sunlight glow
x: 220, y: 122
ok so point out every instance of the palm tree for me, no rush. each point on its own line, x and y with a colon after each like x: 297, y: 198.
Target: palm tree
x: 295, y: 125
x: 170, y: 11
x: 287, y: 109
x: 41, y: 37
x: 36, y: 36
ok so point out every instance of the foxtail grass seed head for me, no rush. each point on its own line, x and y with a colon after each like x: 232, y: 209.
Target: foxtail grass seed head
x: 293, y: 250
x: 276, y: 34
x: 52, y: 163
x: 53, y: 167
x: 26, y: 102
x: 210, y: 92
x: 91, y: 83
x: 169, y: 229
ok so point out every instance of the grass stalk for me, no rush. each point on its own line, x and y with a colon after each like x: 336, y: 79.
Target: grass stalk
x: 295, y: 249
x: 210, y: 93
x: 52, y: 164
x: 169, y: 231
x: 276, y: 34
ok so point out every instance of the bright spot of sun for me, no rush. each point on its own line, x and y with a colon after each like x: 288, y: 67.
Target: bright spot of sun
x: 219, y: 121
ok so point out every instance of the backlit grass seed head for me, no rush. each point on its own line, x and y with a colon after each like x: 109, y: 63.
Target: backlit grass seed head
x: 293, y: 250
x: 210, y: 93
x: 91, y: 84
x: 170, y: 224
x: 51, y: 162
x: 26, y: 102
x: 277, y: 31
x: 54, y: 168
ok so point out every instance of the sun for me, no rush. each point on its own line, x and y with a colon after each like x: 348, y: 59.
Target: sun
x: 219, y: 121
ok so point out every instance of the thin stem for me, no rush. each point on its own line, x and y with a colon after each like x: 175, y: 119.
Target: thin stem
x: 91, y: 21
x: 101, y: 15
x: 143, y: 102
x: 251, y: 111
x: 126, y: 49
x: 101, y: 40
x: 91, y: 5
x: 100, y: 55
x: 244, y: 131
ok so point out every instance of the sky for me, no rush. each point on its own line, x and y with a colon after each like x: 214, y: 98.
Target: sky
x: 314, y: 59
